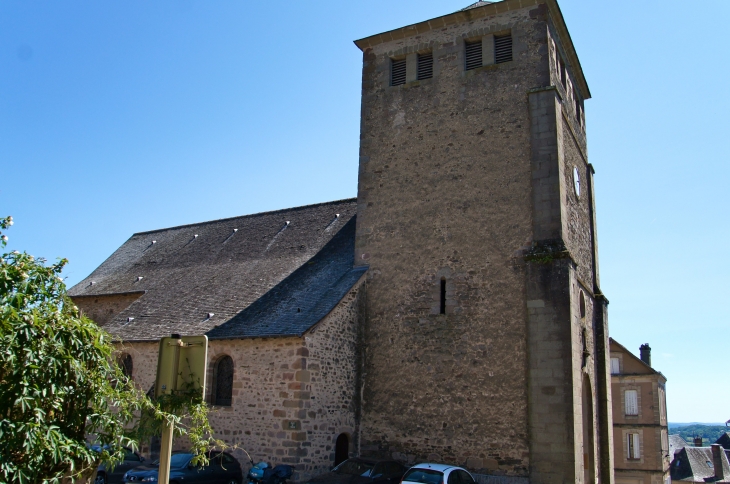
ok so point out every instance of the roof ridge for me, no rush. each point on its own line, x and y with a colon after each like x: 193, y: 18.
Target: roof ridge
x: 477, y: 4
x: 257, y: 214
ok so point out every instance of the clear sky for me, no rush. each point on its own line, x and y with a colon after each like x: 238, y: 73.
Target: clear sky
x: 120, y: 117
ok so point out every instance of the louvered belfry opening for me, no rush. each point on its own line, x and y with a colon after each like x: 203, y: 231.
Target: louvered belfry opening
x: 502, y: 48
x: 473, y: 54
x: 397, y: 72
x: 425, y: 66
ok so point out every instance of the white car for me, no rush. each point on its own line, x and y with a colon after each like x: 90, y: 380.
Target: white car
x: 437, y: 474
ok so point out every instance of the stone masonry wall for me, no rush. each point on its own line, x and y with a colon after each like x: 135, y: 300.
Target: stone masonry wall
x: 445, y: 193
x: 102, y: 308
x: 292, y: 397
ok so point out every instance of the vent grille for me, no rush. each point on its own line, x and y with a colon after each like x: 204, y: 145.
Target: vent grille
x: 425, y: 66
x: 503, y: 49
x: 473, y: 55
x: 397, y: 72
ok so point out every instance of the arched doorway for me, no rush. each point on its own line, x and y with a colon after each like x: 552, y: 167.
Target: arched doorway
x: 342, y: 448
x: 589, y: 464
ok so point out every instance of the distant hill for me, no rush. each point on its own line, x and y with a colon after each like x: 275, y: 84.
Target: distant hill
x: 677, y: 424
x: 709, y: 433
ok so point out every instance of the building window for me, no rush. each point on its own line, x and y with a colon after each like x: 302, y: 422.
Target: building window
x: 615, y: 366
x: 631, y: 398
x: 632, y: 446
x: 581, y: 297
x: 584, y: 344
x: 425, y: 66
x: 397, y: 72
x: 442, y: 298
x: 126, y: 364
x: 561, y: 70
x: 473, y: 54
x: 502, y: 48
x: 223, y: 390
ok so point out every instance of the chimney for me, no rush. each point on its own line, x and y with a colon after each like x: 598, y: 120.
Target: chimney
x: 717, y: 459
x: 698, y: 441
x: 645, y: 350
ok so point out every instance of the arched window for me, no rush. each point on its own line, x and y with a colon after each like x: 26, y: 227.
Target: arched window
x: 223, y: 383
x: 125, y: 363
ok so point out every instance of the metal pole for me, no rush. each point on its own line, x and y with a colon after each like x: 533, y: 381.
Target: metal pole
x: 163, y: 475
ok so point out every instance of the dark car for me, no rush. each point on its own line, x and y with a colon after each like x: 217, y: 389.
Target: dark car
x: 362, y: 471
x: 114, y: 475
x: 222, y: 469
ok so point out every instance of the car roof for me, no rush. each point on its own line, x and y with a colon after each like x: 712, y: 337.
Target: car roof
x: 371, y: 461
x: 435, y: 467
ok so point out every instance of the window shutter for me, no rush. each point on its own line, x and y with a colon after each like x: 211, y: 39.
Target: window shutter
x: 629, y: 446
x: 632, y: 406
x: 473, y: 55
x: 502, y: 48
x: 397, y: 72
x: 637, y: 450
x: 425, y: 66
x: 615, y: 370
x: 662, y: 406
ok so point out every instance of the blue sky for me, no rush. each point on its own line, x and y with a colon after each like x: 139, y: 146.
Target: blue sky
x: 120, y: 117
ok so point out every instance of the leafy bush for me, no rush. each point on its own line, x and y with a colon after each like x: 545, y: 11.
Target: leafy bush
x: 62, y: 390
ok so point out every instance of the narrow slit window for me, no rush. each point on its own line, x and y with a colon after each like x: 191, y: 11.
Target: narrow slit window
x: 473, y: 54
x: 502, y: 48
x: 442, y: 306
x: 425, y: 66
x: 397, y: 72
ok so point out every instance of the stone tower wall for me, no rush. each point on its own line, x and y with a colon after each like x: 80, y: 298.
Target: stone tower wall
x: 445, y: 192
x: 469, y: 177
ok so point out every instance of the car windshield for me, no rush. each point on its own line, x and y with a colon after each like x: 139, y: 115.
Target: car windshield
x: 424, y: 476
x: 354, y: 468
x: 176, y: 460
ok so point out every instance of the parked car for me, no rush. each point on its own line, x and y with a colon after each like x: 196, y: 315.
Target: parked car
x: 114, y: 475
x: 222, y: 469
x: 362, y: 471
x: 437, y: 474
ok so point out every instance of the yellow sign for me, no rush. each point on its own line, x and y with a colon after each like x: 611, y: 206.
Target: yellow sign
x: 181, y: 364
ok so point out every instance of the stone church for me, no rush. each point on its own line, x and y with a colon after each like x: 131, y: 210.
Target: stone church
x: 452, y: 312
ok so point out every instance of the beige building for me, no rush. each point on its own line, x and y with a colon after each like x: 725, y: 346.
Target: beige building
x: 451, y: 313
x: 641, y: 440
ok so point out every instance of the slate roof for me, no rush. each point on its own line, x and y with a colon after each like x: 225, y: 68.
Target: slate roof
x: 694, y: 466
x: 724, y: 440
x: 250, y: 272
x: 676, y: 443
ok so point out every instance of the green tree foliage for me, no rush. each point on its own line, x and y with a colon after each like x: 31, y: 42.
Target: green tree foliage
x: 62, y: 389
x: 709, y: 433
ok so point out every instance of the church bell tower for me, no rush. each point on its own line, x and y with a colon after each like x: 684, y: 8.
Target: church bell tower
x: 485, y: 330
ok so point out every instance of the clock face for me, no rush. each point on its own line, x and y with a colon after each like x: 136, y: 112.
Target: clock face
x: 576, y: 181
